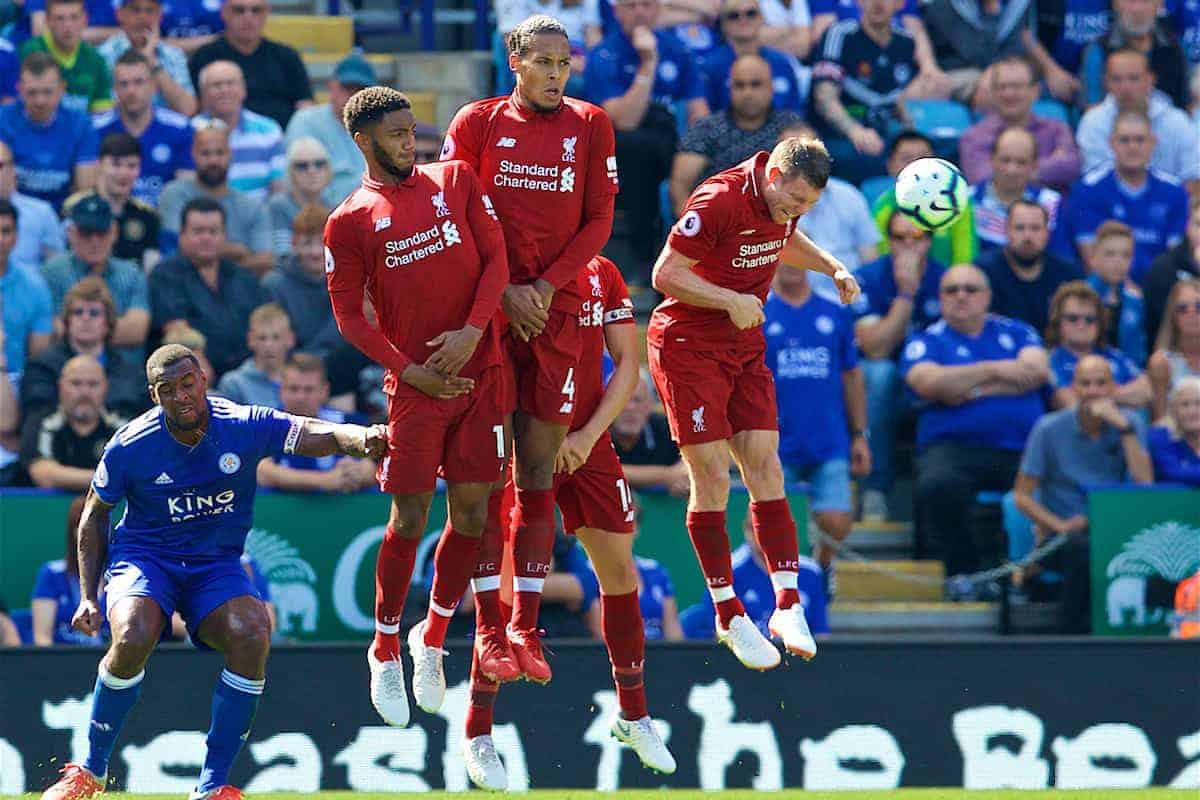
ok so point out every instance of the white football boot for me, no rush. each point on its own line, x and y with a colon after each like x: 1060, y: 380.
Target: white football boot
x: 388, y: 693
x: 642, y: 736
x: 790, y: 625
x: 429, y: 679
x: 748, y: 644
x: 483, y: 765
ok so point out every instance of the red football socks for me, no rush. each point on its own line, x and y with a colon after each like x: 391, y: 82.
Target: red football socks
x: 456, y: 558
x: 533, y: 547
x: 711, y: 543
x: 393, y: 573
x: 625, y: 637
x: 483, y: 699
x: 775, y: 529
x: 485, y: 581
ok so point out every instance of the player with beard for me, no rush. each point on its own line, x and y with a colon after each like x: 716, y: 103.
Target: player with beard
x: 423, y: 245
x: 186, y: 472
x: 597, y: 507
x: 548, y: 163
x: 706, y: 350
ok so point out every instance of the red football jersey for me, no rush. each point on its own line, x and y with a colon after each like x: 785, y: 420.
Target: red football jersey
x: 605, y: 302
x: 553, y: 179
x: 430, y: 255
x: 727, y: 228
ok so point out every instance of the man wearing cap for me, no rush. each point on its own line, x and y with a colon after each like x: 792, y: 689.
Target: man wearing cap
x: 324, y: 123
x: 91, y: 234
x: 277, y: 83
x: 256, y: 140
x: 140, y: 21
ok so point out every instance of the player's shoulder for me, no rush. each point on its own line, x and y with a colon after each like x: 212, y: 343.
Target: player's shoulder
x: 139, y: 428
x: 590, y: 112
x: 479, y: 109
x: 358, y: 202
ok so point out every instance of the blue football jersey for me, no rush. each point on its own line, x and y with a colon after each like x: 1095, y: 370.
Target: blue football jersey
x: 166, y: 149
x: 190, y: 503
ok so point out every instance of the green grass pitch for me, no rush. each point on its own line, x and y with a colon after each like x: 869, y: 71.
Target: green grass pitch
x: 745, y: 794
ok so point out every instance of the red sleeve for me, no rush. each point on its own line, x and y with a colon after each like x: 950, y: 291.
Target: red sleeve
x: 464, y: 137
x: 346, y: 275
x: 599, y: 196
x: 618, y: 308
x: 489, y: 240
x: 699, y: 227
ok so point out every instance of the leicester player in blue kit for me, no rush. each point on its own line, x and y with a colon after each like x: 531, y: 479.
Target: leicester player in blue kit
x: 187, y: 471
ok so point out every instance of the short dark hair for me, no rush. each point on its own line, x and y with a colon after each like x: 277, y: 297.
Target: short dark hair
x: 908, y: 136
x: 805, y: 157
x: 307, y: 362
x: 39, y: 63
x: 1023, y: 203
x: 520, y: 39
x: 7, y: 209
x: 131, y: 57
x: 1035, y: 74
x: 368, y: 106
x: 200, y: 205
x: 166, y: 356
x: 120, y: 145
x: 91, y: 289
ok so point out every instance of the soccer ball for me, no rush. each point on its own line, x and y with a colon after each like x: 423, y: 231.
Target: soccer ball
x: 931, y: 192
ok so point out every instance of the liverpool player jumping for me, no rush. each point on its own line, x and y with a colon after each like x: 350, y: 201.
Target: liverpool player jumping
x: 597, y: 506
x: 424, y: 245
x: 547, y: 161
x: 707, y: 357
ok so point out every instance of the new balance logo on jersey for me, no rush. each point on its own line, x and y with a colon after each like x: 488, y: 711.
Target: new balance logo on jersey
x: 569, y: 148
x: 383, y: 223
x: 698, y: 420
x: 506, y: 141
x: 439, y: 204
x: 163, y: 479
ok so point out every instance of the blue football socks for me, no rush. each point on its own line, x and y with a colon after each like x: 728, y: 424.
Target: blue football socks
x: 235, y: 699
x: 111, y: 701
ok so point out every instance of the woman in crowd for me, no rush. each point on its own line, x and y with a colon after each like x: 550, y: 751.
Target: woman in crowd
x: 1175, y: 444
x: 1177, y: 348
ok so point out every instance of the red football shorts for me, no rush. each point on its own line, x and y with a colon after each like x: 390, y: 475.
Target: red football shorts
x: 543, y: 369
x: 709, y: 395
x: 463, y: 436
x: 596, y: 495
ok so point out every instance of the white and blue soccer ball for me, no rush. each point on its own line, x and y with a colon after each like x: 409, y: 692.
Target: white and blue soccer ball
x: 931, y: 192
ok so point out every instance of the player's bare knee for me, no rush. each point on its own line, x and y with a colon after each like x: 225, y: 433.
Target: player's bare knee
x: 469, y: 520
x: 132, y: 643
x: 408, y: 517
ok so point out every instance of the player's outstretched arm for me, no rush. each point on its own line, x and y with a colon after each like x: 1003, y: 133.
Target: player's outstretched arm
x: 801, y: 252
x: 320, y: 438
x: 673, y: 275
x: 93, y: 553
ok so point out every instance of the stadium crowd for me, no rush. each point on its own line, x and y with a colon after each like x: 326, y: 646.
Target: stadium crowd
x: 165, y: 176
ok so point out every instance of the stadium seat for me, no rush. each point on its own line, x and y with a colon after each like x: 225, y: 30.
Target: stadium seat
x: 312, y: 34
x: 876, y: 187
x: 943, y: 121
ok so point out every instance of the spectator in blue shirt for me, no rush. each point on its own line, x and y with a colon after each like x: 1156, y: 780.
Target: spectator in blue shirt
x: 1112, y: 258
x: 140, y: 21
x: 1175, y: 444
x: 1078, y: 328
x: 39, y: 233
x: 1092, y: 443
x: 25, y: 308
x: 811, y: 353
x: 646, y: 80
x: 1023, y: 274
x: 1184, y: 16
x: 165, y: 136
x: 56, y: 593
x: 979, y: 376
x: 752, y: 583
x: 742, y: 25
x: 54, y: 147
x: 191, y: 24
x: 304, y: 391
x: 899, y: 297
x: 1150, y: 202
